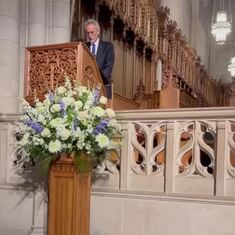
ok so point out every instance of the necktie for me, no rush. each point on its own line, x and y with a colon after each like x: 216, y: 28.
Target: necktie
x: 93, y: 49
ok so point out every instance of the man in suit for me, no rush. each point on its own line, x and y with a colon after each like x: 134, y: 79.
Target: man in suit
x: 103, y: 52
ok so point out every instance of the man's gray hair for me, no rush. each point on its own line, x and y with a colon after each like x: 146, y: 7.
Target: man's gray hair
x: 94, y: 22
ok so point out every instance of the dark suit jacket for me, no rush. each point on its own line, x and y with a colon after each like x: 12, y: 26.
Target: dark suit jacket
x: 105, y: 60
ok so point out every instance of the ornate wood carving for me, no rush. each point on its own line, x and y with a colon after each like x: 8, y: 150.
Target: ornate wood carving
x: 145, y: 27
x: 118, y: 28
x: 104, y: 16
x: 46, y: 67
x: 129, y: 37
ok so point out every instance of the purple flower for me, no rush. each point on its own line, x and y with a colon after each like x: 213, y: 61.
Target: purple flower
x: 63, y: 108
x: 62, y: 105
x: 101, y: 126
x: 51, y: 97
x: 28, y: 122
x: 96, y: 96
x: 38, y: 128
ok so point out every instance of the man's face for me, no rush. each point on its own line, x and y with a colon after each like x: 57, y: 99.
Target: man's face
x: 92, y: 33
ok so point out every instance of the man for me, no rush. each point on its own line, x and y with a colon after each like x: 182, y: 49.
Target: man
x: 103, y: 51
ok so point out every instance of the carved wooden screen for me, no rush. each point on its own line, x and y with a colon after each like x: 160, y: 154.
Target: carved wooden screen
x: 47, y: 65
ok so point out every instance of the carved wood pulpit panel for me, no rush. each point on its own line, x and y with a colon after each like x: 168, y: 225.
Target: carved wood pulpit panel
x: 47, y: 65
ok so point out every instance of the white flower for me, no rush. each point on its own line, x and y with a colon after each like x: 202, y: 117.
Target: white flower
x: 61, y: 90
x: 77, y: 105
x: 102, y: 140
x: 25, y: 139
x: 63, y: 133
x: 69, y: 119
x: 103, y: 100
x: 55, y: 146
x: 82, y: 115
x: 110, y: 113
x: 98, y: 111
x: 46, y: 132
x: 41, y: 118
x: 55, y: 108
x: 37, y: 141
x: 68, y: 100
x: 56, y: 122
x: 82, y: 89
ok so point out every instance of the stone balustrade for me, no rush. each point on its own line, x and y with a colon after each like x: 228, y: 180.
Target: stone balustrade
x: 180, y: 157
x: 178, y: 152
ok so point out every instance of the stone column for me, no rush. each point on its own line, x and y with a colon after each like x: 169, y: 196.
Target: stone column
x: 9, y: 56
x: 37, y: 19
x: 60, y: 28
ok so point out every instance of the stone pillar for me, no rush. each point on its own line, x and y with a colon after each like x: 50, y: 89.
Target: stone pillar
x: 9, y: 56
x: 60, y: 28
x: 37, y: 20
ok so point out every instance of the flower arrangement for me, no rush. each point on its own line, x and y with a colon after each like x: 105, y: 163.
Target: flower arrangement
x: 71, y: 120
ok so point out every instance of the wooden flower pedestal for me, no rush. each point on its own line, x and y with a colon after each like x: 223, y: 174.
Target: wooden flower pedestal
x: 69, y: 200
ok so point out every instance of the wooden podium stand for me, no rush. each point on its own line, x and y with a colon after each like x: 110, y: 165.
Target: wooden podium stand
x: 69, y: 200
x: 46, y: 66
x: 69, y: 191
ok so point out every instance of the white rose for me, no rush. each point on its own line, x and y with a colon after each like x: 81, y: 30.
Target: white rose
x: 110, y: 113
x: 64, y: 133
x: 103, y: 100
x: 98, y: 111
x: 55, y: 108
x: 56, y: 122
x: 46, y: 132
x: 61, y: 90
x: 55, y: 146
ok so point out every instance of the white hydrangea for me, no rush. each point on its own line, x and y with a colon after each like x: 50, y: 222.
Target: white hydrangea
x: 82, y: 115
x: 98, y: 111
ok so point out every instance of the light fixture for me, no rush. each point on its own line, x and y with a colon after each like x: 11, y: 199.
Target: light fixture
x: 231, y: 68
x: 221, y: 27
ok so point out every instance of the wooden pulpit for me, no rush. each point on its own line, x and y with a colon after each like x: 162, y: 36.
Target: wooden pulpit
x: 47, y: 65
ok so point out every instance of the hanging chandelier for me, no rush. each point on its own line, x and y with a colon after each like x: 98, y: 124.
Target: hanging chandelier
x: 222, y: 26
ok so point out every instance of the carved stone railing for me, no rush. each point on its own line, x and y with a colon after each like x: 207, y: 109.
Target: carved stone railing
x: 188, y: 152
